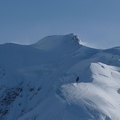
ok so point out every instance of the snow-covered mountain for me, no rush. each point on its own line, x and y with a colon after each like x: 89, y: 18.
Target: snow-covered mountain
x: 58, y: 78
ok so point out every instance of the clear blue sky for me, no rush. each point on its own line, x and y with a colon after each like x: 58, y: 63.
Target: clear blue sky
x: 96, y: 22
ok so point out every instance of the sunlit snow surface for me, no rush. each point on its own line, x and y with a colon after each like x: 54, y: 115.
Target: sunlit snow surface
x: 39, y: 81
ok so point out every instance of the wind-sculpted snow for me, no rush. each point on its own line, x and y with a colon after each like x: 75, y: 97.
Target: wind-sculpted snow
x: 59, y: 79
x: 98, y: 99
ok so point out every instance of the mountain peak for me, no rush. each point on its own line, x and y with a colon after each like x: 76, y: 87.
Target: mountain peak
x: 57, y: 41
x: 71, y: 35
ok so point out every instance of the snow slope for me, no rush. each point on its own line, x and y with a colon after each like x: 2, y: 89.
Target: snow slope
x: 58, y: 78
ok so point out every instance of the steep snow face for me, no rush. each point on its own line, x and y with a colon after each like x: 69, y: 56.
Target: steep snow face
x: 95, y: 100
x: 98, y: 99
x: 59, y: 79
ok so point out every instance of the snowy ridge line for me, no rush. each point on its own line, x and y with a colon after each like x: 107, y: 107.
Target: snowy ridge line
x: 59, y: 79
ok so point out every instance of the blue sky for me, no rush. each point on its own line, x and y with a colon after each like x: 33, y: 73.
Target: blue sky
x: 96, y: 22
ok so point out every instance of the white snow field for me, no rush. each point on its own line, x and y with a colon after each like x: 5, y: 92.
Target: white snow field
x: 58, y: 78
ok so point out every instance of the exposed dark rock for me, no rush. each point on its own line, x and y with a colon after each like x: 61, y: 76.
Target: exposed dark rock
x: 6, y: 99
